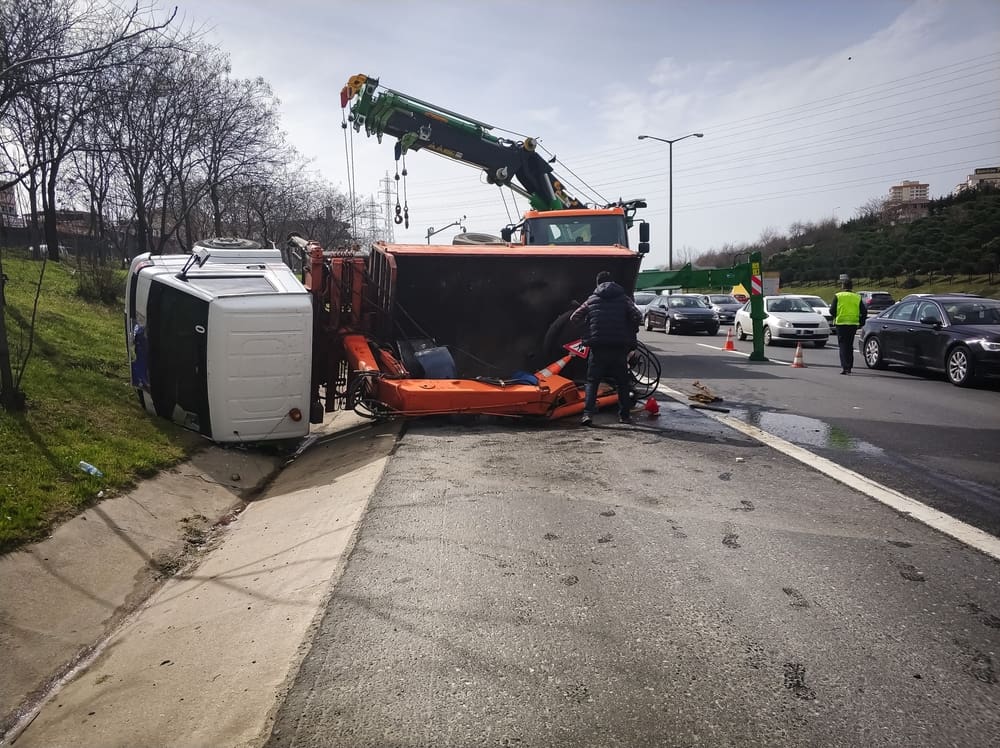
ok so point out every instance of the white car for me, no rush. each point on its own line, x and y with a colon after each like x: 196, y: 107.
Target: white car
x: 818, y: 305
x: 786, y: 318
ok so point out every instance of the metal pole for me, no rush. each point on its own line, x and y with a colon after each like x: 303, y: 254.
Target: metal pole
x: 670, y: 244
x: 670, y: 189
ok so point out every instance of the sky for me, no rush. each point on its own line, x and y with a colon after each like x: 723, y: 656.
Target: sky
x: 809, y: 110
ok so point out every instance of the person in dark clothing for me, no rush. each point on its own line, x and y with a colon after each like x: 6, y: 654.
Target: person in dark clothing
x: 612, y: 322
x: 849, y: 313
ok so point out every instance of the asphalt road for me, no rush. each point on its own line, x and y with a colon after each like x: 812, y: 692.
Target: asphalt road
x: 913, y: 432
x: 670, y: 584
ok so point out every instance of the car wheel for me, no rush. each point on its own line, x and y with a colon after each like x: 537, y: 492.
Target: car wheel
x: 713, y: 330
x: 819, y: 343
x: 667, y: 327
x: 649, y: 324
x: 739, y: 332
x: 959, y: 367
x: 768, y: 340
x: 873, y: 353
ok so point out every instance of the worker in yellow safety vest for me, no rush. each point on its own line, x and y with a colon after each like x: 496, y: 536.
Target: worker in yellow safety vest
x: 849, y: 313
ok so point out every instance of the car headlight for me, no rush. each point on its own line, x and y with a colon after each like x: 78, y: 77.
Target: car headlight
x: 678, y: 315
x: 783, y: 323
x: 988, y: 345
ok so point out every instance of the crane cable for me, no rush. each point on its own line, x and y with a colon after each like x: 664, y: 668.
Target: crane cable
x: 349, y: 155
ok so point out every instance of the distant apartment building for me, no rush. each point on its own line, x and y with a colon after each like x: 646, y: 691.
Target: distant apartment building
x: 8, y: 208
x: 986, y: 175
x: 907, y: 201
x: 909, y: 192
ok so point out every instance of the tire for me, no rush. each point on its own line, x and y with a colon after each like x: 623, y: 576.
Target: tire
x: 713, y: 330
x: 958, y: 366
x: 872, y: 353
x: 739, y: 332
x: 768, y: 339
x: 649, y: 324
x: 819, y: 343
x: 667, y: 327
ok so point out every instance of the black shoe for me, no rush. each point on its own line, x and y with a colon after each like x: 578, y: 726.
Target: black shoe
x: 625, y: 419
x: 844, y: 371
x: 585, y: 421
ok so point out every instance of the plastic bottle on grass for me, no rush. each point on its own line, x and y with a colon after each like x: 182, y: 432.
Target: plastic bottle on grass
x: 88, y: 468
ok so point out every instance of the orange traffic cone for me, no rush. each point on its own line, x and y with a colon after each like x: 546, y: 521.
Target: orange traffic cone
x: 652, y: 407
x: 555, y: 368
x: 729, y: 341
x: 797, y: 362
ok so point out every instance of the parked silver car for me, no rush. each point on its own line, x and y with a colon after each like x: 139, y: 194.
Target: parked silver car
x: 818, y: 305
x: 787, y: 319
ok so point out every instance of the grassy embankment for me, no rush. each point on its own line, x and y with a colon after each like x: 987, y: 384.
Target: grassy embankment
x: 80, y: 407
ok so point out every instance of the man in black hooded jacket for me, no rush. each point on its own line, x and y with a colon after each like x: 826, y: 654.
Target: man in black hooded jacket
x: 612, y: 321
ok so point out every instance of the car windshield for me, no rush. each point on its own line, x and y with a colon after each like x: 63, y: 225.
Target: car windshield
x: 978, y: 312
x: 814, y: 301
x: 687, y: 301
x: 644, y: 298
x: 789, y: 304
x: 723, y: 299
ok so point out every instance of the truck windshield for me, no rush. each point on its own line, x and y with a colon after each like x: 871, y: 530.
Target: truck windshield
x: 600, y: 231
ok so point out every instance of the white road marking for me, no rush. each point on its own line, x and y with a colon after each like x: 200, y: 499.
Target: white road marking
x: 960, y: 531
x: 741, y: 353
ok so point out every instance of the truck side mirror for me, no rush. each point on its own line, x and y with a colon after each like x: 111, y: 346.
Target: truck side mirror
x: 506, y: 233
x: 643, y: 235
x: 644, y: 248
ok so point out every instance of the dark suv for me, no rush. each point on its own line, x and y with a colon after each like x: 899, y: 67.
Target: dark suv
x: 876, y: 301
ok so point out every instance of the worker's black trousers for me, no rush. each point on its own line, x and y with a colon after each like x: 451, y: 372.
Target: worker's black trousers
x: 845, y: 339
x: 608, y: 362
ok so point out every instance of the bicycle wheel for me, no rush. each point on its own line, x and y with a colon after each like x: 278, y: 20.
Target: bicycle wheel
x: 644, y: 369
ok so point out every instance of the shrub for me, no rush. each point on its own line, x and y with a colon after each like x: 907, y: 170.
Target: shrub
x: 99, y: 283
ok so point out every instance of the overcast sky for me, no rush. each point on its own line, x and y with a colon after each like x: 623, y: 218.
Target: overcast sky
x: 809, y: 109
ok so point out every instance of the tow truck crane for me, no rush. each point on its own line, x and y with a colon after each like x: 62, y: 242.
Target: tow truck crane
x: 395, y: 329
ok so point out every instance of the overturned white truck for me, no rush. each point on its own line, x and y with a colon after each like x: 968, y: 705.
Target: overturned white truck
x: 220, y: 341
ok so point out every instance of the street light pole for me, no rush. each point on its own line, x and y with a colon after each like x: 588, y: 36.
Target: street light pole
x: 431, y: 231
x: 670, y: 168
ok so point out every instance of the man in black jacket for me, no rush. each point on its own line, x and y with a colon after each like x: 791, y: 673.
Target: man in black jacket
x: 612, y: 321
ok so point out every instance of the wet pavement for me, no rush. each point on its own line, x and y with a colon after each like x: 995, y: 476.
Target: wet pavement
x: 672, y: 583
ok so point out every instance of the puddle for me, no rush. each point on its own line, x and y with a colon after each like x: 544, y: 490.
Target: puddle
x: 804, y: 431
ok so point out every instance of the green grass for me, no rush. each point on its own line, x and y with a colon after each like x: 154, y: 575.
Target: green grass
x: 81, y: 406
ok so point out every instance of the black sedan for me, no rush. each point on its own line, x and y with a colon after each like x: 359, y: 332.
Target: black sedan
x: 681, y: 313
x: 957, y: 335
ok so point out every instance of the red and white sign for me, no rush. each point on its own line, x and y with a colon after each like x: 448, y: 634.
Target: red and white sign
x: 756, y: 285
x: 577, y: 348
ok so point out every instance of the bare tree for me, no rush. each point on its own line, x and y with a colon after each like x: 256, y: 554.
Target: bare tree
x: 43, y: 42
x: 63, y: 43
x: 873, y: 209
